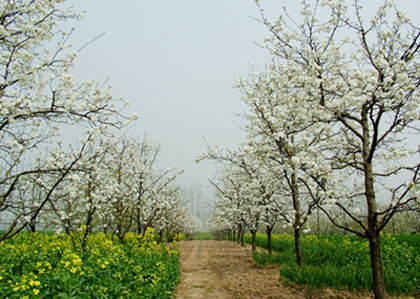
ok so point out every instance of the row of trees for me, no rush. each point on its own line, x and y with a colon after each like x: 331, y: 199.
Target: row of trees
x: 104, y: 182
x: 332, y: 125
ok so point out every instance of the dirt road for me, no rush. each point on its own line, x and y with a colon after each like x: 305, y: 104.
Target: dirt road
x: 224, y: 270
x: 199, y: 278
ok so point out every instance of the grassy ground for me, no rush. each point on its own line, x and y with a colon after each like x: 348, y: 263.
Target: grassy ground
x: 343, y: 262
x: 203, y: 236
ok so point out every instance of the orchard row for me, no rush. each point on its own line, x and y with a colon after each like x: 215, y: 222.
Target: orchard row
x: 104, y: 182
x: 330, y: 127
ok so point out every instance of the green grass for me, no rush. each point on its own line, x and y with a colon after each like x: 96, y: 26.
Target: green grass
x: 411, y: 240
x: 203, y: 236
x: 344, y: 262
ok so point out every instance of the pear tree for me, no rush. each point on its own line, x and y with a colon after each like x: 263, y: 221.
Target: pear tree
x: 38, y: 96
x: 353, y: 83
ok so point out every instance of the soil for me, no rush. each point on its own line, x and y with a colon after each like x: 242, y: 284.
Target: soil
x: 225, y: 270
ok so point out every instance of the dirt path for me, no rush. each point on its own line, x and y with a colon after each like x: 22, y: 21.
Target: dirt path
x: 199, y: 278
x: 224, y: 270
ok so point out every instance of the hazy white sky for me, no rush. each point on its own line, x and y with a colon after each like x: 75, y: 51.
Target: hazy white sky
x: 175, y: 61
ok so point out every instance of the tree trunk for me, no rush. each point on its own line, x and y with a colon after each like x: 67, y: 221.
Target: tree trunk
x: 270, y: 246
x: 169, y: 235
x: 254, y: 237
x: 242, y: 238
x: 296, y: 224
x: 373, y: 232
x: 298, y: 247
x: 377, y: 270
x: 138, y: 220
x: 121, y: 236
x: 32, y: 226
x: 88, y: 228
x: 161, y: 237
